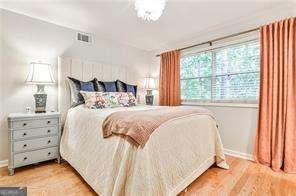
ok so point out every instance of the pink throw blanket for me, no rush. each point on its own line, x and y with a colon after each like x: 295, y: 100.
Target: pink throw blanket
x: 140, y: 124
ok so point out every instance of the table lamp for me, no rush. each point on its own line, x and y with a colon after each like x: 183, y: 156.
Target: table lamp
x: 40, y: 74
x: 149, y: 86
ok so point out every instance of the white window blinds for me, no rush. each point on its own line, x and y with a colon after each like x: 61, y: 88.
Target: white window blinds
x: 225, y: 74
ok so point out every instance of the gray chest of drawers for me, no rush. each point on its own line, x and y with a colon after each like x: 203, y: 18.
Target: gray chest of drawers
x: 33, y: 138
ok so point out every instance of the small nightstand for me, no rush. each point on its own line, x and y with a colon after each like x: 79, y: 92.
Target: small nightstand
x: 33, y: 138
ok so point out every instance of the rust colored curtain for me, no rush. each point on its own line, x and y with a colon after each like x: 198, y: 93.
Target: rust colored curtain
x: 169, y: 79
x: 276, y: 134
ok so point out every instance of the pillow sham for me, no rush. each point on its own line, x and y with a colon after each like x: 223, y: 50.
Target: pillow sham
x: 132, y: 89
x: 100, y: 86
x: 121, y: 86
x: 109, y: 86
x: 124, y: 87
x: 76, y: 86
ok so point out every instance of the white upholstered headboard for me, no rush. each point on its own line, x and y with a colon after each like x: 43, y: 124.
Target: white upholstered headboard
x: 86, y: 70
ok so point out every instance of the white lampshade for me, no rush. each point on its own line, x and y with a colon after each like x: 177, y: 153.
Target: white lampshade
x: 40, y: 73
x: 150, y: 83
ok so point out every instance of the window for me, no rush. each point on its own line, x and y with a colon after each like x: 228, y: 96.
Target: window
x: 225, y: 74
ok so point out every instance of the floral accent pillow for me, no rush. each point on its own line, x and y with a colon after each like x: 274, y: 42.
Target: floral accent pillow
x: 113, y: 99
x: 123, y: 99
x: 99, y: 100
x: 95, y: 100
x: 117, y: 99
x: 126, y: 99
x: 132, y: 99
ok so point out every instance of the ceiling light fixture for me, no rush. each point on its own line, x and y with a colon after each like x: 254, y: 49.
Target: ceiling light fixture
x: 149, y: 10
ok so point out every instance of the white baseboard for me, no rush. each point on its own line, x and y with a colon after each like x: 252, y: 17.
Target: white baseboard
x: 239, y: 154
x: 3, y: 163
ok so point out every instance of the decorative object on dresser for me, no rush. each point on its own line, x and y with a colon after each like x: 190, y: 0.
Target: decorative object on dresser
x: 149, y: 86
x: 40, y: 74
x: 33, y: 138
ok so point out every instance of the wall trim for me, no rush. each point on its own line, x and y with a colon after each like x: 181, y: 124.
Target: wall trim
x: 3, y: 163
x: 239, y: 154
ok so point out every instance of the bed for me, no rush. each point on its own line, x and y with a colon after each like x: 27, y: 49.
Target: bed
x: 179, y: 151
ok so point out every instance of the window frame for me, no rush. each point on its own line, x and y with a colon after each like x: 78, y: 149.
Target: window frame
x: 213, y: 49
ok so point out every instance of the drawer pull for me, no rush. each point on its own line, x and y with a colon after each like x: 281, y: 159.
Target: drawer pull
x: 25, y: 158
x: 49, y: 153
x: 48, y: 122
x: 48, y: 141
x: 24, y: 124
x: 24, y: 134
x: 48, y: 131
x: 25, y: 145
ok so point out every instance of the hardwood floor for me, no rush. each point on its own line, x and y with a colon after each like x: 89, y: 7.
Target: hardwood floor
x: 243, y: 178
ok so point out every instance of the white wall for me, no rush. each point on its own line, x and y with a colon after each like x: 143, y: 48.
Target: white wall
x: 238, y: 128
x: 26, y: 39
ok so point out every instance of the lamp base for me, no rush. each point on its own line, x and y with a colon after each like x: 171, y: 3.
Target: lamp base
x: 38, y: 112
x: 40, y: 100
x: 149, y: 99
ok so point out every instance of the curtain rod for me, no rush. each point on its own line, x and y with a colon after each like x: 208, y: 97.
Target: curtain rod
x: 217, y: 39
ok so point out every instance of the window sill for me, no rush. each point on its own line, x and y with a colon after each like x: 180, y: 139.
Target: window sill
x: 236, y: 105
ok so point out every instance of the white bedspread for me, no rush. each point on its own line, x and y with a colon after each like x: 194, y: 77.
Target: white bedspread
x: 176, y: 153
